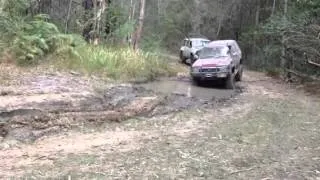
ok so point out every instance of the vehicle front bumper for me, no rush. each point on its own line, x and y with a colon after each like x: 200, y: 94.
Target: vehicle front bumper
x: 209, y: 75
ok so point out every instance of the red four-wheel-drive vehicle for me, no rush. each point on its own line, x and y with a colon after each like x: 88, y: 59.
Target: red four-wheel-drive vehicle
x: 218, y: 60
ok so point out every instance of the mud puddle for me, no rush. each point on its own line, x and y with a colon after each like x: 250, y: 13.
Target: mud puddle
x: 208, y: 91
x: 27, y: 118
x: 47, y: 104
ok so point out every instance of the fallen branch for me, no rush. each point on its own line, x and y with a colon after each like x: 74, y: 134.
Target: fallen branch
x: 313, y: 63
x: 243, y: 170
x: 310, y: 62
x: 302, y: 75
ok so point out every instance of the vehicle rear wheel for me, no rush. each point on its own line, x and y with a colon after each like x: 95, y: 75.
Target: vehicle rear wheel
x: 182, y: 58
x: 192, y: 59
x: 230, y: 82
x: 239, y: 74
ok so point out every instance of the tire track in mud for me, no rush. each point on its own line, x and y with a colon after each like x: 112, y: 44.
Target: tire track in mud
x: 48, y: 105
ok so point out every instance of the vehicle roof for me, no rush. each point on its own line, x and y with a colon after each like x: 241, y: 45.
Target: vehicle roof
x: 221, y: 43
x: 197, y: 39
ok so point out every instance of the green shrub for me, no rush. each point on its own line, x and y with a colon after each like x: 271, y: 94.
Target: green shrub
x: 30, y: 39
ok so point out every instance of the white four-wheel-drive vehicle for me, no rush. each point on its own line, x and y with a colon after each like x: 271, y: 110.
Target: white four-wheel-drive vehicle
x: 218, y: 60
x: 190, y: 46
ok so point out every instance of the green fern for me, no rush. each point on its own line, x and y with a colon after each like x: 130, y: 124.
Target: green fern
x: 30, y: 39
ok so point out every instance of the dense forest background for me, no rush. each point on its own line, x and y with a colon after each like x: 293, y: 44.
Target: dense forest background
x: 275, y: 35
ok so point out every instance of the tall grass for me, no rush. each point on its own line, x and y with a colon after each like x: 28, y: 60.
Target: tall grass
x: 119, y: 63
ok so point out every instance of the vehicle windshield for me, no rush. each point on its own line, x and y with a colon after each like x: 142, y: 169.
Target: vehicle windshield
x: 213, y: 52
x: 199, y: 43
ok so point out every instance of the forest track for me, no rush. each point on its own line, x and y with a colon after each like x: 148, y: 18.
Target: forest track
x: 65, y: 125
x: 39, y: 102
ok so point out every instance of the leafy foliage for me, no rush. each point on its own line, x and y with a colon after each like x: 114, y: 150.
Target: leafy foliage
x: 297, y: 33
x: 32, y: 38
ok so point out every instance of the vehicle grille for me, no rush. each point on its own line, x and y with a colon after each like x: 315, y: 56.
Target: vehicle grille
x: 209, y: 70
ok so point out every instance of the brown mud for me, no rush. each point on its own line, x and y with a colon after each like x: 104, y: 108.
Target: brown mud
x: 70, y: 126
x: 49, y: 103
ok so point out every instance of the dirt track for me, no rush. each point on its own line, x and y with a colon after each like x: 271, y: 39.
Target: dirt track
x: 62, y: 125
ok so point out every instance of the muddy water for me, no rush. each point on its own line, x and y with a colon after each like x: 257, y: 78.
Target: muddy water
x: 206, y: 91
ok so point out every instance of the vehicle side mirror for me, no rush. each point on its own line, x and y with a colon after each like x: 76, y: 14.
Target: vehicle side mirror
x: 196, y: 57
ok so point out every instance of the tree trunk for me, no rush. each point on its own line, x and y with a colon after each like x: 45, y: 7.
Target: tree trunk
x: 258, y: 13
x: 68, y: 16
x: 273, y: 7
x: 132, y: 9
x: 94, y: 10
x: 284, y: 61
x: 102, y: 6
x: 196, y: 18
x: 159, y: 12
x: 220, y: 19
x: 95, y: 14
x: 1, y: 5
x: 140, y: 25
x: 88, y: 25
x: 285, y: 7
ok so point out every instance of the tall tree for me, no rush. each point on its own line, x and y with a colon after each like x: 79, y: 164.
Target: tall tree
x: 283, y: 51
x: 257, y: 21
x: 140, y: 25
x: 196, y: 17
x: 273, y: 7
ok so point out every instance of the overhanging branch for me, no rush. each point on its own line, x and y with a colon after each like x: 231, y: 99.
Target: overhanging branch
x: 314, y: 63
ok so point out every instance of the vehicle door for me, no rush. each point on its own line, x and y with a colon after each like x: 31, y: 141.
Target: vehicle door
x: 239, y: 52
x: 188, y: 46
x: 236, y: 55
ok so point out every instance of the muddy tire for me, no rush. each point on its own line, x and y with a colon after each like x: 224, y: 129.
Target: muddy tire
x: 196, y: 81
x: 192, y: 60
x: 230, y: 82
x: 238, y: 76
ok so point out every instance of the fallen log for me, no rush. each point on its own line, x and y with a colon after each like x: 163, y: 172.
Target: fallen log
x: 302, y: 75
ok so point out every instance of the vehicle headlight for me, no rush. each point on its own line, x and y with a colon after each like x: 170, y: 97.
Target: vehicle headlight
x: 224, y: 68
x: 195, y: 69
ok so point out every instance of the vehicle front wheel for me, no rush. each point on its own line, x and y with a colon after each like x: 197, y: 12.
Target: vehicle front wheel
x: 195, y: 81
x: 239, y: 74
x: 230, y: 82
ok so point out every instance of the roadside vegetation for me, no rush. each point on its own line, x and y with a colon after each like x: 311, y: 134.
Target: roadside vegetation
x: 280, y: 37
x: 72, y: 107
x: 119, y: 63
x: 286, y: 40
x: 32, y: 40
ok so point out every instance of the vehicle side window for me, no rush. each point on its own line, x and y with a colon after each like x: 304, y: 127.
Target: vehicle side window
x: 185, y: 43
x: 238, y: 49
x: 233, y: 49
x: 203, y: 43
